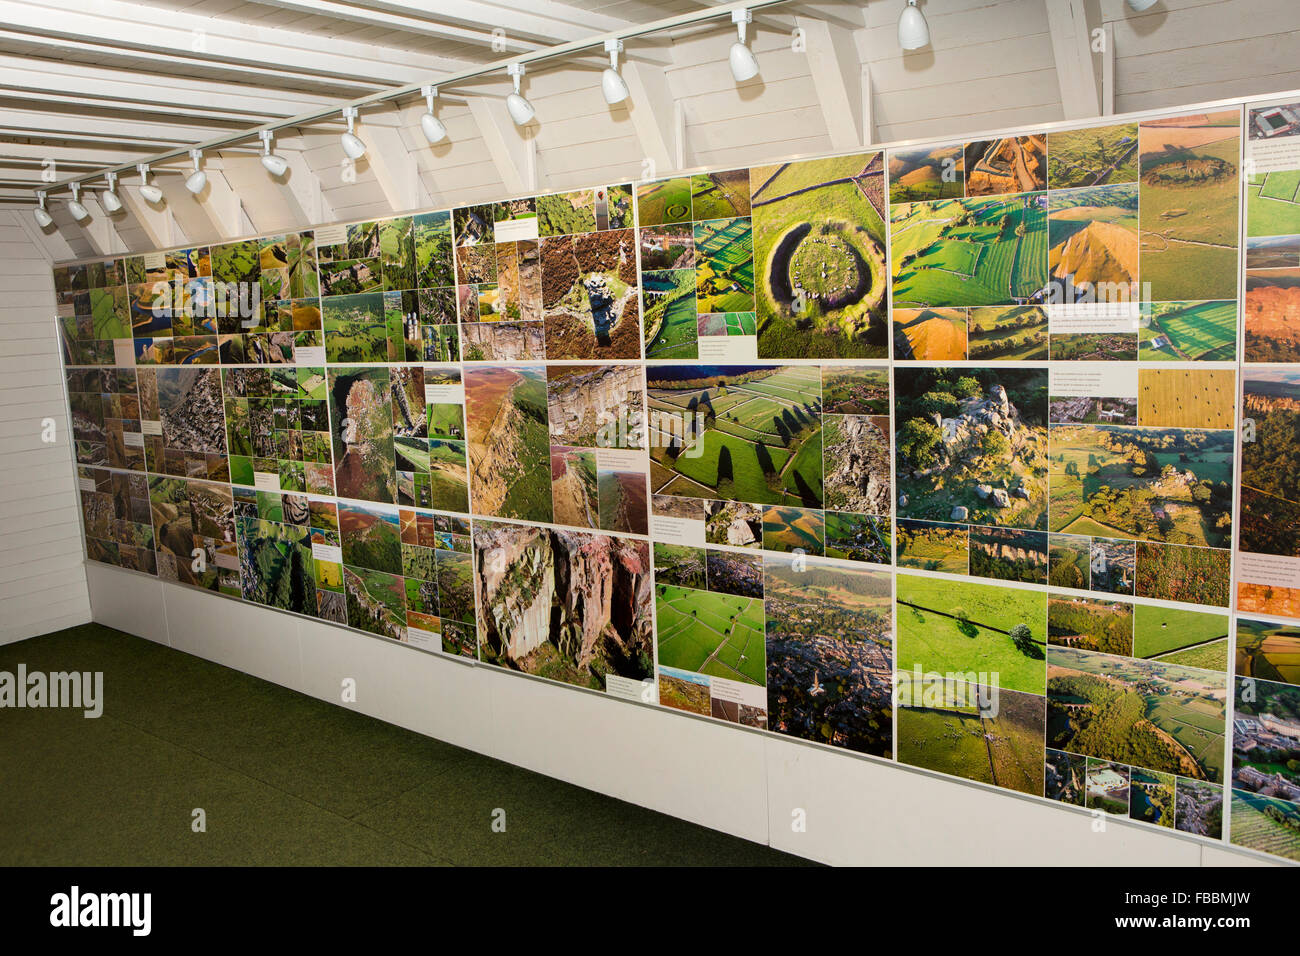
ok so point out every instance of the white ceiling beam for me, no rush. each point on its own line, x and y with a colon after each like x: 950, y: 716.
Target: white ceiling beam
x: 1078, y: 71
x: 837, y: 76
x: 36, y: 121
x: 87, y: 104
x: 394, y: 167
x: 100, y: 154
x: 542, y: 20
x: 656, y: 116
x: 50, y: 242
x: 101, y: 231
x: 221, y: 204
x: 403, y: 22
x: 156, y: 222
x: 513, y: 153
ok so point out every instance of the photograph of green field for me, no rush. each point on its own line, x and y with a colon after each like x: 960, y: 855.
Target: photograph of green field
x: 355, y: 328
x: 435, y: 265
x: 1015, y: 333
x: 1273, y: 203
x: 1090, y: 624
x: 711, y: 633
x: 932, y: 546
x: 1177, y: 636
x: 1266, y: 824
x: 955, y: 252
x: 1143, y: 713
x: 948, y: 626
x: 952, y: 733
x: 1189, y: 206
x: 1093, y: 243
x: 738, y: 432
x: 509, y: 447
x: 724, y: 266
x: 927, y: 172
x: 1092, y: 156
x: 719, y: 195
x: 819, y: 254
x: 1188, y: 332
x: 664, y: 201
x: 1268, y: 651
x: 668, y: 304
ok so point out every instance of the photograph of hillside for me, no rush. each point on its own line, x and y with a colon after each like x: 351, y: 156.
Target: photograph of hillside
x: 1015, y: 333
x: 1271, y: 315
x: 1012, y: 164
x: 1273, y: 252
x: 928, y: 172
x: 509, y: 451
x: 664, y: 201
x: 970, y: 445
x: 829, y: 654
x: 795, y: 530
x: 361, y: 425
x: 1093, y: 156
x: 596, y: 406
x: 958, y: 252
x: 1268, y: 651
x: 933, y: 546
x: 737, y: 432
x: 948, y: 626
x: 1148, y: 714
x: 189, y: 516
x: 1266, y: 824
x: 1189, y: 203
x: 567, y: 605
x: 275, y: 556
x: 720, y: 195
x: 355, y: 328
x: 819, y: 258
x: 1188, y: 332
x: 590, y: 297
x: 1175, y: 572
x: 668, y: 300
x: 1093, y: 243
x: 1178, y: 636
x: 1090, y: 624
x: 930, y: 335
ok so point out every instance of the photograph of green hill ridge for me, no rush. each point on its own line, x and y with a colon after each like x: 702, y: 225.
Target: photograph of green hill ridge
x: 1093, y: 156
x: 829, y: 653
x: 737, y: 432
x: 1268, y: 650
x: 1143, y: 713
x: 819, y: 258
x: 1189, y: 198
x: 947, y: 626
x: 370, y: 537
x: 1006, y: 334
x: 956, y: 252
x: 970, y: 445
x: 509, y: 447
x: 927, y: 172
x: 275, y: 553
x: 985, y: 734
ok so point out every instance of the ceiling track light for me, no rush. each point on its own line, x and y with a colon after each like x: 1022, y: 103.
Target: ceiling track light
x: 744, y: 65
x: 43, y: 217
x: 275, y: 165
x: 109, y: 197
x: 196, y: 180
x: 612, y: 84
x: 79, y: 212
x: 433, y: 129
x: 913, y: 31
x: 148, y: 190
x: 1139, y: 5
x: 521, y: 111
x: 353, y: 147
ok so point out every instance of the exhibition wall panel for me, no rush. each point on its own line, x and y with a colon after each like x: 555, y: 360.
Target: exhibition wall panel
x: 927, y: 453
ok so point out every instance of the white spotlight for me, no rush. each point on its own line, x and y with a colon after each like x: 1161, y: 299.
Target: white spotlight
x: 1140, y: 5
x: 109, y: 196
x: 744, y: 65
x: 79, y: 212
x: 43, y: 217
x: 521, y: 111
x: 352, y: 144
x: 275, y: 165
x: 148, y: 190
x: 611, y: 83
x: 433, y: 129
x: 913, y: 31
x: 196, y: 180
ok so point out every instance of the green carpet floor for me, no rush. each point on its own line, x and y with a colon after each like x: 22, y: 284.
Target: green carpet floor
x: 285, y: 779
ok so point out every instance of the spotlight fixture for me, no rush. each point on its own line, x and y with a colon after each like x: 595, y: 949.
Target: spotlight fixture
x: 275, y: 165
x: 196, y: 180
x: 433, y: 129
x: 744, y: 65
x: 352, y: 144
x: 43, y: 217
x: 109, y: 197
x: 148, y: 190
x: 521, y: 111
x: 79, y: 212
x: 611, y: 83
x: 913, y: 31
x: 1139, y: 5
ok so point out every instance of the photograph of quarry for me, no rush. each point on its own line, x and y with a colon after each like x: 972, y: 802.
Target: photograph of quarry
x: 571, y: 606
x: 749, y: 433
x: 819, y: 256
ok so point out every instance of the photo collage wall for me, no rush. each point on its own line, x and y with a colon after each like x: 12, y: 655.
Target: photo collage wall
x: 978, y: 456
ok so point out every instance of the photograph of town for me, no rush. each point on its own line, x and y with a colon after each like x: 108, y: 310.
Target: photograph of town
x: 1265, y: 754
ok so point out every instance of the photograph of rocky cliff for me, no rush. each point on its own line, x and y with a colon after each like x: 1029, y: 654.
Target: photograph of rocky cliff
x: 509, y: 454
x: 568, y: 605
x: 590, y: 296
x: 596, y: 406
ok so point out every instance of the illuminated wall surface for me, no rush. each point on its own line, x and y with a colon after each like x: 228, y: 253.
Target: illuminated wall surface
x: 844, y: 449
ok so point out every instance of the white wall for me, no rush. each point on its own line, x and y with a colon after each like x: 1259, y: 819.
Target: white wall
x: 747, y: 783
x: 42, y: 580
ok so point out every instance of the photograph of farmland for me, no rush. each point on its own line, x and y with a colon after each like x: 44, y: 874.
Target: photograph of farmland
x: 720, y: 195
x: 1015, y: 333
x: 361, y: 425
x: 668, y: 300
x: 819, y: 255
x: 947, y: 729
x: 1012, y: 164
x: 927, y: 172
x: 1268, y: 651
x: 996, y: 632
x: 1187, y: 398
x: 856, y: 390
x: 1148, y: 714
x: 958, y: 252
x: 1178, y: 636
x: 829, y: 653
x: 590, y: 298
x: 1271, y: 314
x: 1188, y: 332
x: 567, y: 605
x: 970, y: 445
x: 710, y: 632
x: 1189, y: 206
x: 1266, y: 824
x: 664, y: 201
x: 1093, y: 156
x: 355, y: 328
x: 737, y: 432
x: 1093, y: 243
x: 509, y: 457
x: 1273, y: 203
x: 724, y: 266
